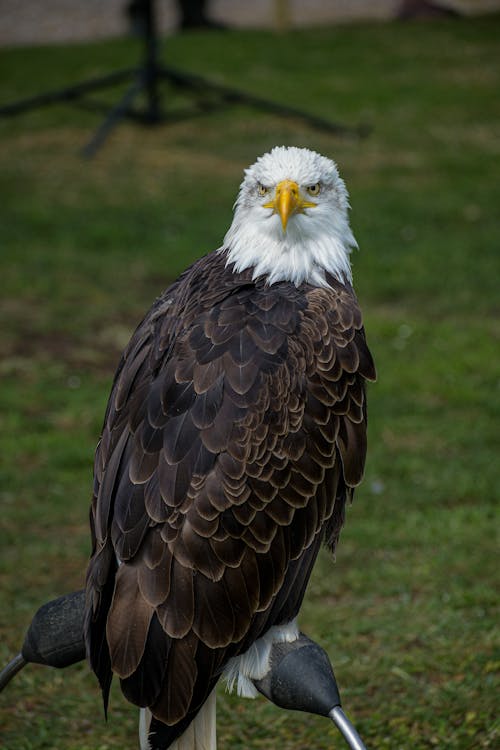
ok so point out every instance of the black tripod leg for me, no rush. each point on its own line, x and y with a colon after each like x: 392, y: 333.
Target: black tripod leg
x: 228, y: 94
x: 120, y: 110
x: 66, y: 94
x: 282, y: 110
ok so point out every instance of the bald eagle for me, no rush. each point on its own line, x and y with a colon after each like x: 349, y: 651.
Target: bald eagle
x: 234, y: 435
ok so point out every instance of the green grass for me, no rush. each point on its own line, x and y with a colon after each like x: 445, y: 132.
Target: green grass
x: 409, y: 611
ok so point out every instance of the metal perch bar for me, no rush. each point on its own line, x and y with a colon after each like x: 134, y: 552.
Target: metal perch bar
x: 12, y: 668
x: 346, y: 729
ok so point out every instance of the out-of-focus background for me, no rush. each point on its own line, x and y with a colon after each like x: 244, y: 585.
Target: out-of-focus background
x: 33, y: 22
x: 409, y: 611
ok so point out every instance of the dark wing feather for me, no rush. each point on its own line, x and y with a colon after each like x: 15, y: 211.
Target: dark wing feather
x: 234, y: 434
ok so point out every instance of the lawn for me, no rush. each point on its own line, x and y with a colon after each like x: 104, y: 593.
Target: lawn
x: 409, y: 611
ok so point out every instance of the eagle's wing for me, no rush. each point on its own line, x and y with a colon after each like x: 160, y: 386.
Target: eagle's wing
x: 234, y: 432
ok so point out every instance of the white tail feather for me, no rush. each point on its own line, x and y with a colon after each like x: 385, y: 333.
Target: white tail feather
x: 200, y: 734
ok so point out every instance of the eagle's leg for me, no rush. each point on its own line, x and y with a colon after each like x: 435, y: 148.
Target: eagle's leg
x: 200, y: 734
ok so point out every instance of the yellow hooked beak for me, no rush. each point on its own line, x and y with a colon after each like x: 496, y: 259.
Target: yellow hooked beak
x: 288, y: 201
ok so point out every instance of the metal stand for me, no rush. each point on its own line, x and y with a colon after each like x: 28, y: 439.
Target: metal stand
x: 300, y: 676
x: 146, y: 79
x: 346, y: 729
x: 13, y: 667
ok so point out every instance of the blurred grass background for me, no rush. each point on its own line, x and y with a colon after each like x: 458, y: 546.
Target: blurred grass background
x: 408, y: 613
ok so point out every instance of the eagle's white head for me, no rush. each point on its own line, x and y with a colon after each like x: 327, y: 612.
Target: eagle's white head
x: 291, y: 219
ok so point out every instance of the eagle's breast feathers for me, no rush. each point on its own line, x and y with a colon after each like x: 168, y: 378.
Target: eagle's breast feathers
x: 234, y: 432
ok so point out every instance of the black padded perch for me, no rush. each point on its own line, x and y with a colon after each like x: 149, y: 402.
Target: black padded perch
x: 54, y: 637
x: 300, y: 679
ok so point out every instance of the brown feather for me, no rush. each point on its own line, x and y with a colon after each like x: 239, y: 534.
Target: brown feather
x: 177, y: 611
x: 154, y: 581
x: 214, y: 621
x: 128, y: 623
x: 180, y: 677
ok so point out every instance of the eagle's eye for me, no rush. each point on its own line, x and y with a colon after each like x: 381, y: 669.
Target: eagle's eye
x: 262, y: 189
x: 314, y: 189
